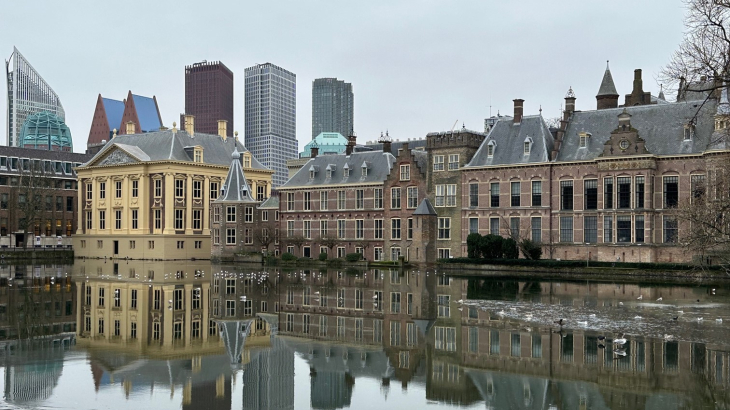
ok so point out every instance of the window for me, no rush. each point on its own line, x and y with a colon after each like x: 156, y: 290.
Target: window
x: 412, y: 194
x: 639, y: 192
x: 179, y: 188
x: 341, y: 200
x: 453, y: 162
x: 405, y: 172
x: 473, y: 225
x: 359, y: 229
x: 566, y: 196
x: 323, y: 198
x: 260, y: 193
x: 639, y: 229
x: 378, y: 192
x: 118, y: 219
x: 231, y: 308
x: 307, y: 201
x: 341, y: 229
x: 198, y: 244
x: 395, y: 253
x: 151, y: 244
x: 671, y: 192
x: 230, y: 214
x: 158, y: 219
x: 213, y: 191
x: 101, y: 297
x: 536, y: 193
x: 89, y: 192
x: 117, y: 189
x: 69, y: 204
x: 197, y: 219
x: 514, y: 227
x: 515, y: 194
x: 451, y: 195
x: 395, y: 228
x: 198, y: 155
x: 689, y: 132
x: 624, y: 192
x: 378, y: 233
x: 133, y: 330
x: 264, y: 216
x: 409, y: 229
x: 444, y: 308
x: 179, y: 219
x: 230, y: 236
x: 670, y: 230
x: 536, y: 225
x: 102, y: 190
x: 158, y: 188
x: 474, y: 194
x: 444, y: 228
x: 590, y: 229
x: 494, y: 195
x: 378, y: 253
x: 608, y: 193
x: 697, y: 186
x: 395, y: 198
x: 445, y: 339
x: 180, y: 244
x: 395, y: 302
x: 526, y: 147
x: 359, y: 199
x: 494, y: 226
x: 608, y: 229
x: 248, y: 214
x: 216, y: 236
x: 89, y: 220
x: 566, y: 229
x: 438, y: 162
x: 102, y: 219
x: 307, y: 228
x: 490, y: 149
x: 323, y: 228
x: 289, y: 201
x: 583, y: 140
x: 623, y: 228
x: 590, y: 188
x: 197, y: 189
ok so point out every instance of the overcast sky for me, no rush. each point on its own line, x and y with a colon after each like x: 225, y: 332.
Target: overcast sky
x: 416, y: 66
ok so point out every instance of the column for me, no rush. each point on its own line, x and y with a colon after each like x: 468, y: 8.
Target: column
x: 79, y: 310
x: 168, y: 224
x: 188, y: 312
x: 206, y: 206
x: 167, y: 317
x: 143, y: 203
x: 205, y: 318
x: 126, y: 199
x: 80, y: 217
x: 189, y: 205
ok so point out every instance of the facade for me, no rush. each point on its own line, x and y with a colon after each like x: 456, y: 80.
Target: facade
x: 45, y: 130
x: 49, y: 176
x: 147, y: 196
x: 271, y: 102
x: 332, y: 107
x: 28, y: 94
x: 113, y: 116
x: 209, y: 96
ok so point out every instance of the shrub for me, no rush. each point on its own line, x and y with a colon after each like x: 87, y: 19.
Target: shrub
x: 353, y: 257
x: 531, y: 250
x: 472, y: 245
x: 305, y: 259
x: 509, y: 249
x: 288, y: 257
x: 323, y: 256
x: 491, y: 246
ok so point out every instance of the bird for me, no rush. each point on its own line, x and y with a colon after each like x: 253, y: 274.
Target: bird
x: 640, y: 297
x: 620, y: 303
x: 619, y: 352
x: 592, y: 315
x: 601, y: 338
x: 620, y: 341
x: 718, y: 320
x: 659, y: 299
x: 583, y: 323
x: 560, y: 322
x: 637, y: 317
x: 699, y: 319
x: 675, y: 318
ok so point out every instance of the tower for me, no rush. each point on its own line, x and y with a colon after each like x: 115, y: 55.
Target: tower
x: 607, y: 96
x: 332, y: 106
x: 209, y: 96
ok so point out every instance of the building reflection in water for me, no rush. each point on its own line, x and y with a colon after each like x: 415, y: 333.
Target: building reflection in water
x: 204, y: 334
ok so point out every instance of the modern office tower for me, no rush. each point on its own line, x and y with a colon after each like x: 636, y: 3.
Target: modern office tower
x: 271, y: 102
x: 209, y: 96
x: 332, y: 106
x: 28, y: 94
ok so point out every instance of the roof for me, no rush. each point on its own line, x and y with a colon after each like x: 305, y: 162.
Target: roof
x: 509, y: 138
x: 327, y: 142
x: 235, y: 188
x: 149, y: 117
x: 378, y: 164
x: 271, y: 202
x: 164, y: 145
x: 421, y: 158
x: 661, y: 126
x: 114, y: 110
x: 425, y: 208
x: 607, y: 86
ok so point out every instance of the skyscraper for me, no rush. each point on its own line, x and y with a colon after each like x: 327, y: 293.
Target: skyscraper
x: 332, y: 106
x: 271, y: 102
x: 209, y: 96
x: 28, y: 94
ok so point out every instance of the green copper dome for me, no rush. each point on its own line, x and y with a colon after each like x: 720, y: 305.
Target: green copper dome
x: 45, y: 130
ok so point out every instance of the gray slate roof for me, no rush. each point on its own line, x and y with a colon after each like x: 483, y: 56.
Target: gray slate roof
x: 271, y: 202
x: 425, y: 208
x: 378, y: 165
x: 509, y: 139
x: 607, y: 85
x: 235, y: 188
x: 166, y: 145
x: 660, y: 125
x: 421, y: 158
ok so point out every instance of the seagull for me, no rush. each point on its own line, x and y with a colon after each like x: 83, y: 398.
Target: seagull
x: 640, y: 297
x: 592, y: 315
x: 619, y: 352
x: 620, y: 303
x: 659, y: 299
x: 668, y: 337
x: 560, y: 322
x: 583, y: 323
x: 620, y: 341
x: 637, y: 317
x: 718, y: 320
x: 699, y: 319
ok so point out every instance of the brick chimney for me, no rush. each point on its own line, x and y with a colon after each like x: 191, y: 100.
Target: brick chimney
x: 387, y: 142
x: 314, y: 151
x: 569, y: 104
x: 223, y: 129
x: 130, y: 128
x: 190, y: 124
x: 518, y: 110
x: 351, y: 141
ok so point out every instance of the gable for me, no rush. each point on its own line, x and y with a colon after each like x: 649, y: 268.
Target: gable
x: 116, y: 157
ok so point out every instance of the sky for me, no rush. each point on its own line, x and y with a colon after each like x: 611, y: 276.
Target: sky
x: 416, y: 66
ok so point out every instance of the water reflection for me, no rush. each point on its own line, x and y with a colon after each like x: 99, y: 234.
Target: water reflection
x: 202, y: 336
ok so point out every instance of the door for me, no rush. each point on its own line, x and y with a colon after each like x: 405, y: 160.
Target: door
x: 116, y: 247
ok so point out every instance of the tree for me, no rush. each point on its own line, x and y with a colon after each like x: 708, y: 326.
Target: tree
x: 298, y: 241
x: 702, y: 61
x: 34, y: 186
x: 266, y: 234
x: 329, y: 241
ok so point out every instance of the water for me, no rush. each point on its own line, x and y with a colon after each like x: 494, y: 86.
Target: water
x: 194, y: 336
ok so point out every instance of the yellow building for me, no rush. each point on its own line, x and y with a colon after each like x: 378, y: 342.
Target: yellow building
x: 147, y: 196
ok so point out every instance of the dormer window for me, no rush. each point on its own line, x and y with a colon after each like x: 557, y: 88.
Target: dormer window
x: 330, y: 169
x: 365, y: 167
x: 689, y: 132
x: 198, y: 155
x: 247, y: 160
x: 527, y: 145
x: 346, y: 171
x: 313, y: 171
x: 583, y: 139
x: 490, y: 148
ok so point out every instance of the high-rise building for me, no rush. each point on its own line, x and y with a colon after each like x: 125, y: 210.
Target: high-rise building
x: 28, y: 94
x: 271, y: 103
x: 209, y: 96
x: 332, y: 106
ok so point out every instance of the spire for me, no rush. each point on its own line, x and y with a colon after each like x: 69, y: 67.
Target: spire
x: 661, y: 92
x: 235, y: 188
x: 607, y: 86
x: 724, y: 107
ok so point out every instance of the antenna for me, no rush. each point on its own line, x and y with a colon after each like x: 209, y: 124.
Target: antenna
x: 454, y: 126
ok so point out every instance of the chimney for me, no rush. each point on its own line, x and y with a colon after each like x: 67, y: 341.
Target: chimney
x: 518, y: 110
x: 569, y: 103
x: 638, y: 84
x: 314, y: 152
x: 190, y: 124
x: 223, y: 129
x: 130, y: 128
x: 351, y: 141
x: 386, y: 141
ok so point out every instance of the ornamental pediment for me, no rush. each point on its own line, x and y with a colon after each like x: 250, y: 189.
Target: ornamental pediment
x: 117, y: 156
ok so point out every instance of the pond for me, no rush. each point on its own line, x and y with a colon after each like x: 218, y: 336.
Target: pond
x: 105, y: 335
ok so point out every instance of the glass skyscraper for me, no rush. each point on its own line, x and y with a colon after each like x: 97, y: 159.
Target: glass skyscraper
x: 28, y: 94
x: 332, y: 106
x: 271, y: 102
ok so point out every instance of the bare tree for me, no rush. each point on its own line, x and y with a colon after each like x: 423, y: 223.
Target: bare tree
x: 265, y: 234
x: 31, y: 207
x: 298, y: 241
x: 551, y: 245
x: 329, y: 241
